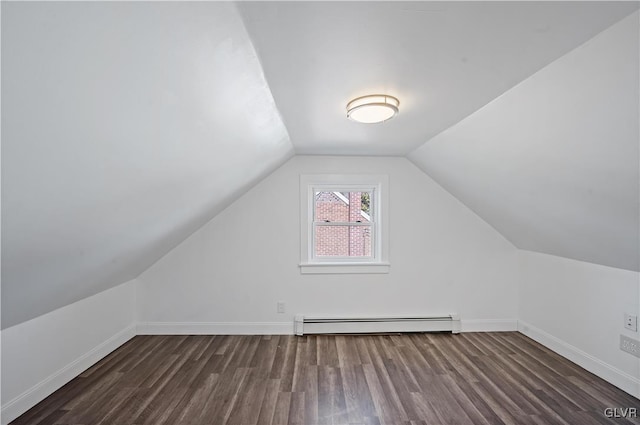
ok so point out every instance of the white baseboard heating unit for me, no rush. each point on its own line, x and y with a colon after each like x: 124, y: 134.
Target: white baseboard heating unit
x: 354, y: 325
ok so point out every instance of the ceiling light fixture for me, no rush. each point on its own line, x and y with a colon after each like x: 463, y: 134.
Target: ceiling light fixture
x: 373, y: 108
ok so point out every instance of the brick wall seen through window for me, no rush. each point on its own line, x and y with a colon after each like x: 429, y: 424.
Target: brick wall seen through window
x: 343, y: 225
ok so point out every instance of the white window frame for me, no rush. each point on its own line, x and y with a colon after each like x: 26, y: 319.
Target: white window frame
x: 379, y: 261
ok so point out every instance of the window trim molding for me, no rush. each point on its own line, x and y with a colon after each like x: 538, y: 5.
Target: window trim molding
x: 339, y: 265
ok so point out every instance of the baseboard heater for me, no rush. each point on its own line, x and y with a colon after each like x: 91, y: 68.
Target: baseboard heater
x: 354, y: 325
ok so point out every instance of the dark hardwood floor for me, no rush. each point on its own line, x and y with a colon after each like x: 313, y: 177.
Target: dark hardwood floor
x: 427, y: 379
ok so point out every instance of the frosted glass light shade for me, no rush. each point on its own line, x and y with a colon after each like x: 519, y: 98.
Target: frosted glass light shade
x: 373, y: 108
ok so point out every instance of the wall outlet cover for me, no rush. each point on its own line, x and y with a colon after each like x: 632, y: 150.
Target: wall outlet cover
x: 630, y: 345
x: 631, y: 322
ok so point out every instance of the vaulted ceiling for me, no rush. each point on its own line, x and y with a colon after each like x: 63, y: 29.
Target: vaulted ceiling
x: 443, y: 60
x: 126, y: 126
x: 553, y: 163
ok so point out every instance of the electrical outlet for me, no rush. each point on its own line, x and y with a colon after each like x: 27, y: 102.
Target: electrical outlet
x: 630, y: 345
x: 631, y: 322
x: 280, y: 306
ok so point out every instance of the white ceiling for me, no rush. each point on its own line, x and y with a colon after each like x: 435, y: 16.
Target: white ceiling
x: 444, y: 60
x: 553, y: 163
x: 128, y: 125
x: 125, y: 127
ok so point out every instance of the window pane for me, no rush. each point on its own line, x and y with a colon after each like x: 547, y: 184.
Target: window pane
x: 343, y: 241
x: 332, y: 207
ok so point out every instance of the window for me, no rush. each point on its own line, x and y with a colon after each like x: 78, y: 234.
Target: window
x: 343, y: 224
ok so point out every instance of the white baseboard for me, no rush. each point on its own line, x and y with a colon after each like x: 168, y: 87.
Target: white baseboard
x: 609, y: 373
x: 285, y: 328
x: 215, y: 328
x: 46, y: 387
x: 489, y: 325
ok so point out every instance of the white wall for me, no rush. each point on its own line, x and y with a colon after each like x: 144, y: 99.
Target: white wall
x: 42, y: 354
x: 228, y: 276
x: 577, y: 309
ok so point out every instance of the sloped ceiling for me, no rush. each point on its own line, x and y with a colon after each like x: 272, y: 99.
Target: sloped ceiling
x: 125, y: 127
x: 553, y: 164
x: 443, y: 60
x: 128, y: 125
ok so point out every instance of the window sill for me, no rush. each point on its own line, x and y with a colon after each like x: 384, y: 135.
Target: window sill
x: 344, y: 268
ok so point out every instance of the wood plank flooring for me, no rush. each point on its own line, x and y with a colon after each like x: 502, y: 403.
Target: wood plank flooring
x: 410, y: 379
